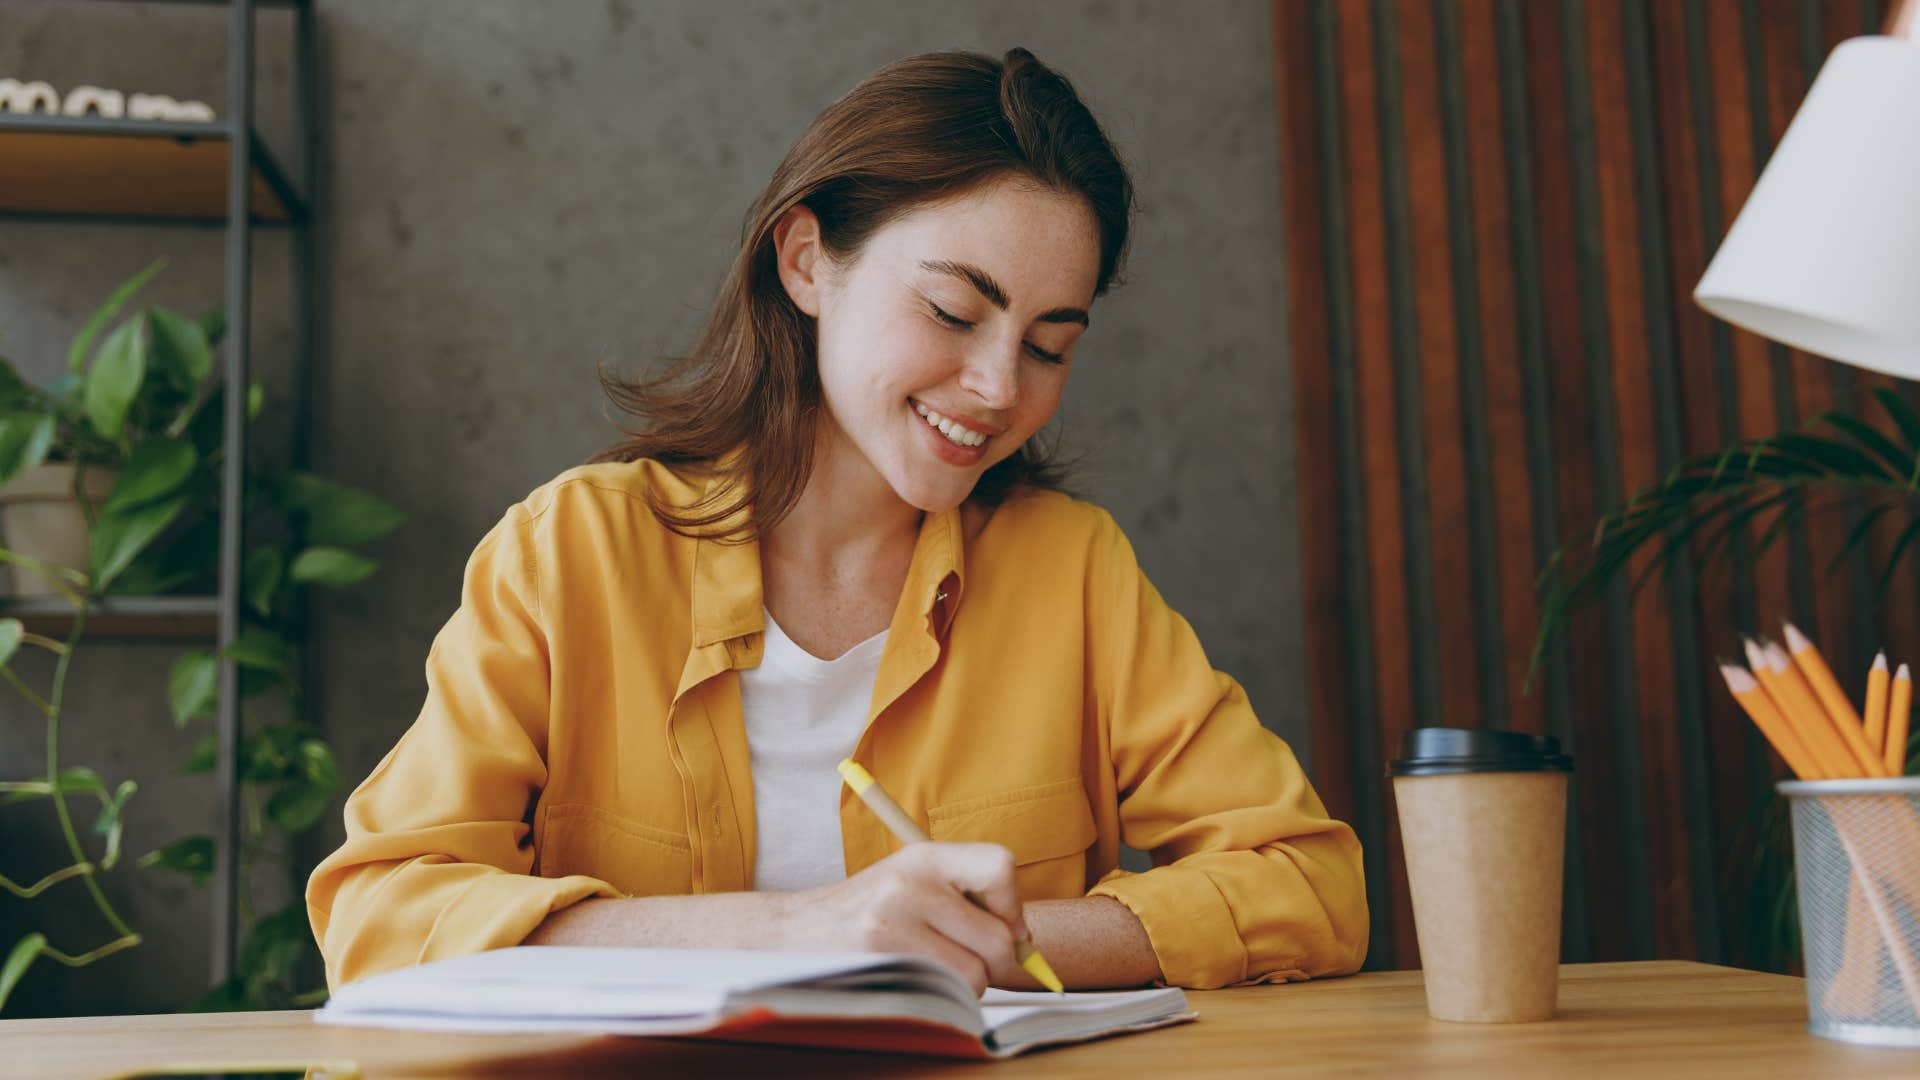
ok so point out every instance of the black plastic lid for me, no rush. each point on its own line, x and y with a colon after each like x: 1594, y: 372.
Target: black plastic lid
x: 1433, y: 751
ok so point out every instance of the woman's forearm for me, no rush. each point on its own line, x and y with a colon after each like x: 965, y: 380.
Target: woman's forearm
x: 737, y: 920
x: 1092, y: 942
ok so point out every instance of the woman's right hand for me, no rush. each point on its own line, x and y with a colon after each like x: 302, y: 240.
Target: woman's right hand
x: 912, y: 902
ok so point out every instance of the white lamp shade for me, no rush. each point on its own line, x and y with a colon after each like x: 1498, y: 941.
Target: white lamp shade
x: 1825, y: 256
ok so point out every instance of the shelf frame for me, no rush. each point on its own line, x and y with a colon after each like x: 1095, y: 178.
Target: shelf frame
x: 289, y: 196
x: 183, y: 619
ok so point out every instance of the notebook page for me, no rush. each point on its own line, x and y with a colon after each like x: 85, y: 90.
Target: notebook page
x: 569, y: 981
x: 1017, y: 1017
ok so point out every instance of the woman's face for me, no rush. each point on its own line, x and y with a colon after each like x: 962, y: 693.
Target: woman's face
x: 944, y: 345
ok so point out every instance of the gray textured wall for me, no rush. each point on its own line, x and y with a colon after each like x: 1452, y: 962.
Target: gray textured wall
x: 513, y: 192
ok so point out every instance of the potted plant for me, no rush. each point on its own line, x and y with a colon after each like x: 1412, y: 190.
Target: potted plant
x: 143, y: 406
x: 1699, y: 508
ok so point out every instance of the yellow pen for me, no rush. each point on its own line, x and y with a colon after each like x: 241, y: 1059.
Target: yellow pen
x: 909, y: 832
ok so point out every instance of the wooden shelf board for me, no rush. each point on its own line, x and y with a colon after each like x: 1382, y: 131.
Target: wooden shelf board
x: 132, y: 618
x: 97, y: 168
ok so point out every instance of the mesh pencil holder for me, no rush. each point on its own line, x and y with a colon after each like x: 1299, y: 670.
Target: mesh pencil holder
x: 1857, y: 850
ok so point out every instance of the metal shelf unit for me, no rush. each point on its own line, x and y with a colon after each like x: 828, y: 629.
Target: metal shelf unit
x: 89, y: 169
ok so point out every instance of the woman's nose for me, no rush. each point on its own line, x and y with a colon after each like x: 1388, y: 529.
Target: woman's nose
x: 993, y: 376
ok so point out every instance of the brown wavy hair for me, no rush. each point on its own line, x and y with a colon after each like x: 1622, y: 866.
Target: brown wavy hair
x: 917, y: 131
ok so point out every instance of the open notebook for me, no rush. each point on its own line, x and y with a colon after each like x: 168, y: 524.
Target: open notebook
x: 873, y: 1001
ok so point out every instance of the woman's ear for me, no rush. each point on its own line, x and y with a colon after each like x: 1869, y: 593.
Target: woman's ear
x: 801, y: 260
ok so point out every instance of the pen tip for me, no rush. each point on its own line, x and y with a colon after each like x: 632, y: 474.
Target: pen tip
x: 1038, y: 967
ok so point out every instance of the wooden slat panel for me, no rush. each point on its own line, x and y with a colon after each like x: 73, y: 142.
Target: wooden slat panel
x: 1308, y: 310
x: 1514, y: 560
x: 1560, y: 289
x: 1636, y: 160
x: 1379, y: 429
x: 1652, y: 643
x: 1446, y: 470
x: 1346, y: 757
x: 1753, y: 389
x: 1729, y: 735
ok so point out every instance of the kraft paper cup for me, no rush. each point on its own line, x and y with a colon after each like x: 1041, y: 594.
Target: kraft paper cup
x: 1483, y: 822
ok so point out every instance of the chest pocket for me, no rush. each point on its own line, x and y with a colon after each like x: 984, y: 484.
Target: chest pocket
x: 1048, y: 828
x: 639, y: 860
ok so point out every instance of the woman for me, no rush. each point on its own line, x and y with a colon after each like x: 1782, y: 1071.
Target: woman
x: 831, y: 536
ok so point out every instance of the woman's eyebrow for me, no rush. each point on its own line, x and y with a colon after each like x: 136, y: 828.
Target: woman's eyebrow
x: 983, y: 283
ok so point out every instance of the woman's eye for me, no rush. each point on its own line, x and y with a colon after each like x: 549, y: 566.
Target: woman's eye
x: 949, y: 320
x: 1049, y: 357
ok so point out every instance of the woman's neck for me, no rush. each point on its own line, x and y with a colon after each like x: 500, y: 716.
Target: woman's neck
x: 847, y: 516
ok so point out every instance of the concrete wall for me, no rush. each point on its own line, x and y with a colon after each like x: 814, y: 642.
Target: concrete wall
x: 513, y: 192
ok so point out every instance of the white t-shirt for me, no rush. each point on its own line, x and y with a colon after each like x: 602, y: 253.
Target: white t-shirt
x: 803, y: 715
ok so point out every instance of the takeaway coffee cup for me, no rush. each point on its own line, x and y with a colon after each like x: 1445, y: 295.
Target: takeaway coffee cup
x: 1483, y: 821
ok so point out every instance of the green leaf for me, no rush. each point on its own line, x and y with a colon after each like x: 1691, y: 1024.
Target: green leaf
x: 11, y: 631
x: 1859, y: 533
x: 1833, y: 456
x: 275, y: 944
x: 315, y: 761
x: 1900, y: 547
x: 213, y: 325
x: 1902, y: 415
x: 272, y: 755
x: 296, y: 805
x: 24, y: 441
x: 83, y: 342
x: 205, y: 755
x: 81, y: 781
x: 15, y: 391
x: 262, y: 650
x: 190, y: 855
x: 192, y: 686
x: 180, y: 348
x: 114, y: 379
x: 331, y: 566
x: 1898, y: 461
x: 229, y: 996
x: 337, y: 515
x: 117, y: 538
x: 261, y: 577
x: 156, y: 468
x: 112, y: 822
x: 24, y: 952
x: 256, y: 398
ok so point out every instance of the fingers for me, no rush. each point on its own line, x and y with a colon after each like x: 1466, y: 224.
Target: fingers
x: 981, y: 933
x: 986, y: 872
x: 965, y: 963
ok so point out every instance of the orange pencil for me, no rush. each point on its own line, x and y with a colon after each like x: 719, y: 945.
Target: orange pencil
x: 1899, y: 711
x: 1746, y: 690
x: 1876, y: 717
x: 1800, y: 713
x: 1833, y: 701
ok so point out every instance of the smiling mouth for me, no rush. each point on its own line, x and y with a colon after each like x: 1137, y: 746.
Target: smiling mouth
x: 952, y: 429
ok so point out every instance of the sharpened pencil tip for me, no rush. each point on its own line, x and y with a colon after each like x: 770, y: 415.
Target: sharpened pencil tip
x: 1880, y: 660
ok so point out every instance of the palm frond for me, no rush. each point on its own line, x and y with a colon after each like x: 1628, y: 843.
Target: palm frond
x: 1701, y: 505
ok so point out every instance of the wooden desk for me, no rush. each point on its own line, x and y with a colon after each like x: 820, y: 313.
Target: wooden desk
x: 1618, y: 1021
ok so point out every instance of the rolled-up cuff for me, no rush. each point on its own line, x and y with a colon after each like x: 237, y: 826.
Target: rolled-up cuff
x: 1187, y: 920
x: 499, y: 910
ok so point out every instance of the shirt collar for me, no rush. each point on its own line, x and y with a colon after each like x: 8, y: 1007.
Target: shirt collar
x: 729, y: 600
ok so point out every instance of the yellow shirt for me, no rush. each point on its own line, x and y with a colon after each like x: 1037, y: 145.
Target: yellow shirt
x: 582, y: 737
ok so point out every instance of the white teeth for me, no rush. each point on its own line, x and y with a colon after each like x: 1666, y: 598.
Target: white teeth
x: 947, y: 426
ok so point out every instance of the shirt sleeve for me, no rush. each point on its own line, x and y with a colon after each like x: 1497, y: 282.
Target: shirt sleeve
x: 1252, y: 881
x: 439, y: 849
